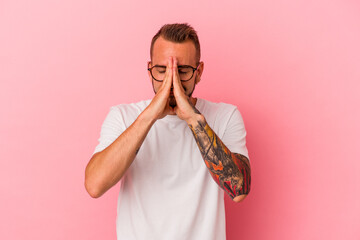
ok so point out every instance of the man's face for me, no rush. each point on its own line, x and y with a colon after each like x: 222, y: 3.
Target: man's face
x: 185, y: 53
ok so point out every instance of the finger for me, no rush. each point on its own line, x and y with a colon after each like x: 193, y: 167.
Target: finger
x: 176, y: 79
x: 168, y: 76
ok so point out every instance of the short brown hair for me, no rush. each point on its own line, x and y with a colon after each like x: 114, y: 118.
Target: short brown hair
x: 178, y: 32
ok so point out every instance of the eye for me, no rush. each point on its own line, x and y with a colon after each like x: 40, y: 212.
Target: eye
x: 184, y: 70
x: 160, y: 70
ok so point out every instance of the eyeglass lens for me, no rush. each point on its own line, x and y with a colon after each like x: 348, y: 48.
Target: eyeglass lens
x: 185, y: 73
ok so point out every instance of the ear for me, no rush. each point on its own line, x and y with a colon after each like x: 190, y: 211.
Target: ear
x: 148, y: 66
x: 200, y: 71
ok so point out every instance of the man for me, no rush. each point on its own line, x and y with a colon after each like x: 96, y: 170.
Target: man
x: 167, y: 152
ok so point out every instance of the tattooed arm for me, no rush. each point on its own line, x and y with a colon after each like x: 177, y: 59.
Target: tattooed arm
x: 231, y: 171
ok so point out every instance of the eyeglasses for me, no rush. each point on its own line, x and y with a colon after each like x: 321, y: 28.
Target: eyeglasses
x: 186, y: 72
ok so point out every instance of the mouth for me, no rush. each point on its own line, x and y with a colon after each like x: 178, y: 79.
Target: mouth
x: 172, y: 102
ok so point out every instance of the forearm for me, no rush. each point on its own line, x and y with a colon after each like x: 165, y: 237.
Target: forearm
x: 107, y: 167
x: 231, y: 171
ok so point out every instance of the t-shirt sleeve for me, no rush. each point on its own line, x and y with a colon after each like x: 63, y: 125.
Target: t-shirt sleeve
x: 111, y: 129
x: 235, y: 134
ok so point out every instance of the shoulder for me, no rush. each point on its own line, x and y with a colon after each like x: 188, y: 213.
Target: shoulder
x: 128, y: 108
x: 126, y: 112
x: 219, y: 115
x: 217, y: 107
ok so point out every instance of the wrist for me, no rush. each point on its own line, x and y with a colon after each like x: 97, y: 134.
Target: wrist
x: 147, y: 117
x: 195, y: 119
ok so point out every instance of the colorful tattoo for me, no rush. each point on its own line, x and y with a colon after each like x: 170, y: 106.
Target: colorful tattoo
x: 231, y: 171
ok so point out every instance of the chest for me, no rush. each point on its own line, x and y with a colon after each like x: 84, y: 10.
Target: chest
x: 169, y: 152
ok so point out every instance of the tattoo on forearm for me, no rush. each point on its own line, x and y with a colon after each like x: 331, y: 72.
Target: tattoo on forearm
x: 230, y: 170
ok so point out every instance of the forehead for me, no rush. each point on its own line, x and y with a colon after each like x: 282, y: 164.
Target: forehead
x: 184, y: 52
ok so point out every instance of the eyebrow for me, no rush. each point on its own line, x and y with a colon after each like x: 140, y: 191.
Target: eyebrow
x: 179, y: 66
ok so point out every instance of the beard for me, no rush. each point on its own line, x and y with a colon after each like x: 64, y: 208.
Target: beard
x: 172, y: 101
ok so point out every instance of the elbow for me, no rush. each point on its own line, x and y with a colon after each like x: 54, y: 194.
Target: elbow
x: 245, y: 189
x: 239, y: 198
x: 90, y: 183
x: 92, y: 190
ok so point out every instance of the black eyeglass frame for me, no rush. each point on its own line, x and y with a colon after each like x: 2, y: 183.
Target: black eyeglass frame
x: 179, y: 67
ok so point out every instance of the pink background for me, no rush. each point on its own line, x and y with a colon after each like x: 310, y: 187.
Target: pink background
x: 292, y: 68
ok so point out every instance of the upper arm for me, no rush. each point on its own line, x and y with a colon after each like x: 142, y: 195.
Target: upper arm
x: 234, y: 136
x: 111, y: 129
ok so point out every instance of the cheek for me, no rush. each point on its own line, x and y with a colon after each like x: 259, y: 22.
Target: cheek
x: 188, y: 86
x: 185, y: 87
x: 157, y: 85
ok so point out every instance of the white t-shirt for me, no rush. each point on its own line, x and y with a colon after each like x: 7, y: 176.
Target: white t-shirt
x: 168, y: 192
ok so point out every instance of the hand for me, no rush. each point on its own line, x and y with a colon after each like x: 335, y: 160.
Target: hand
x: 159, y: 106
x: 184, y: 109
